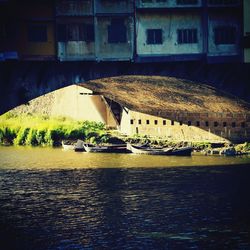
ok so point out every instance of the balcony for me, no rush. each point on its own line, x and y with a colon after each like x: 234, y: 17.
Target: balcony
x: 161, y: 4
x: 108, y: 7
x: 74, y: 8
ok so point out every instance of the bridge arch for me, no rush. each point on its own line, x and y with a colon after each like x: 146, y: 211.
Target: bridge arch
x: 172, y: 91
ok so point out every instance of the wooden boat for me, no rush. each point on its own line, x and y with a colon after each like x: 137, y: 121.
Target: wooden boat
x: 67, y: 145
x: 78, y: 146
x: 184, y: 151
x: 114, y: 148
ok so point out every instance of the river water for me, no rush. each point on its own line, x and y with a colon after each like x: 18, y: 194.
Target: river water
x: 54, y: 199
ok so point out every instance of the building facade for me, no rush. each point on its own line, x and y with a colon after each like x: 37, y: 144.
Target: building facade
x: 125, y: 30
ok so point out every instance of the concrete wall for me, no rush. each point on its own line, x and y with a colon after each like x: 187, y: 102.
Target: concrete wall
x: 169, y: 23
x: 220, y: 19
x: 113, y: 51
x: 178, y: 129
x: 164, y: 4
x: 118, y: 6
x: 78, y: 103
x: 247, y: 29
x: 72, y: 101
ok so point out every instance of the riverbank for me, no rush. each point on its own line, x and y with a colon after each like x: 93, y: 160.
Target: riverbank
x: 38, y: 130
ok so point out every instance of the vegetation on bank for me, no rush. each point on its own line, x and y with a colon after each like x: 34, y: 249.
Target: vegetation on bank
x: 47, y: 131
x: 37, y: 130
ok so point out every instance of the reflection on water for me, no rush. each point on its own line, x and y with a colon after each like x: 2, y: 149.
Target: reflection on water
x: 44, y: 158
x: 121, y: 208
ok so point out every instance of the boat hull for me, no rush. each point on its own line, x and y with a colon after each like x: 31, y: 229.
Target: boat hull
x: 164, y: 151
x: 106, y: 149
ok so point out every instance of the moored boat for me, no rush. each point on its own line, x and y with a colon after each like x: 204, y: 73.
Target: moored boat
x: 183, y: 151
x: 78, y: 146
x: 114, y: 148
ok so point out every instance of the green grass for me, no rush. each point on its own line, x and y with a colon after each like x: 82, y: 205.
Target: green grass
x: 46, y: 131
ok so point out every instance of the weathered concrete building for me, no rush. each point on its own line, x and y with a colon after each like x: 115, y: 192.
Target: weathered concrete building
x: 125, y: 30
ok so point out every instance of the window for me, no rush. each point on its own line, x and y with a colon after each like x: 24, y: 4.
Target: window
x: 75, y: 32
x: 224, y: 124
x: 172, y: 123
x: 233, y: 124
x: 225, y: 35
x: 179, y: 2
x: 164, y: 122
x: 243, y: 125
x: 216, y: 124
x: 139, y: 121
x: 37, y: 33
x: 187, y: 36
x: 117, y: 31
x: 147, y: 122
x: 156, y: 122
x: 131, y: 121
x: 154, y: 36
x: 198, y: 124
x: 206, y: 124
x: 189, y: 123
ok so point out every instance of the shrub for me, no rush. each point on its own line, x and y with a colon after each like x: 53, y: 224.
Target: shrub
x: 21, y: 136
x: 31, y: 138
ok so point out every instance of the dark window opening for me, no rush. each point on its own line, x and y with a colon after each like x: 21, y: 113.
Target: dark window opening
x: 198, y: 124
x: 154, y: 36
x: 246, y: 41
x: 224, y: 124
x: 189, y: 123
x: 172, y: 123
x: 207, y: 124
x: 164, y: 122
x: 139, y: 121
x: 156, y: 122
x: 243, y: 125
x: 233, y: 124
x: 75, y: 32
x: 147, y: 122
x: 225, y: 35
x: 117, y: 31
x: 37, y: 33
x: 187, y: 36
x: 131, y: 122
x: 216, y: 124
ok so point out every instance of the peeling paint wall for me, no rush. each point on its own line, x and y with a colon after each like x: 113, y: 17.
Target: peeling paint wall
x: 169, y: 23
